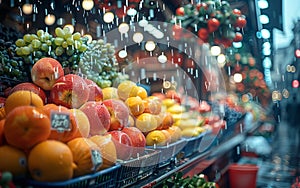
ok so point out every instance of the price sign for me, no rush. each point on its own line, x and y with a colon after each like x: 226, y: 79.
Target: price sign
x: 96, y: 159
x: 60, y: 121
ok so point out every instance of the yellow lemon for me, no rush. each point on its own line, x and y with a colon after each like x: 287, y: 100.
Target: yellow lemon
x: 124, y: 89
x: 156, y: 138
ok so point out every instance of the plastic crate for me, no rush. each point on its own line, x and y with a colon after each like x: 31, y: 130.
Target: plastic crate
x: 138, y: 168
x: 192, y: 145
x: 169, y: 152
x: 105, y: 178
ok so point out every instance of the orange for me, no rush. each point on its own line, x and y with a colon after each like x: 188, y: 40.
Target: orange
x: 66, y: 134
x: 86, y: 156
x: 2, y: 131
x: 26, y: 126
x: 50, y: 161
x: 2, y: 113
x: 13, y: 160
x: 22, y: 98
x: 108, y: 149
x: 167, y: 121
x: 152, y: 105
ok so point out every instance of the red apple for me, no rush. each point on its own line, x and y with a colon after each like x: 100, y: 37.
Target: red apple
x: 70, y: 91
x: 138, y: 140
x: 95, y: 92
x: 45, y: 72
x: 98, y: 116
x: 119, y: 113
x: 123, y: 144
x: 30, y: 87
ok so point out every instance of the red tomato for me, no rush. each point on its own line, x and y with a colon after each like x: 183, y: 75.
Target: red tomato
x: 203, y: 34
x: 177, y: 30
x: 213, y: 24
x: 199, y: 5
x: 237, y: 12
x: 180, y: 11
x: 238, y: 37
x: 240, y: 22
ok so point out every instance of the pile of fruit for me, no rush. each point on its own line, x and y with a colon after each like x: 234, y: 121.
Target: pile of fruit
x: 74, y: 127
x: 95, y: 60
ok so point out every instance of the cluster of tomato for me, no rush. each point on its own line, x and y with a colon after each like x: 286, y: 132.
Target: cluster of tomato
x: 217, y: 24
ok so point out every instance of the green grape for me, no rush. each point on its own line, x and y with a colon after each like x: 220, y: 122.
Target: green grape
x: 77, y: 44
x: 47, y: 36
x: 38, y: 54
x: 59, y: 32
x: 44, y: 47
x: 25, y: 50
x: 64, y: 44
x: 30, y: 47
x: 83, y: 48
x: 76, y: 36
x: 69, y: 51
x: 36, y: 44
x: 20, y: 43
x: 42, y: 38
x: 59, y: 51
x: 19, y: 51
x: 58, y: 41
x: 70, y: 41
x: 14, y: 63
x: 27, y: 59
x: 27, y: 38
x: 33, y: 36
x: 40, y: 33
x: 48, y: 42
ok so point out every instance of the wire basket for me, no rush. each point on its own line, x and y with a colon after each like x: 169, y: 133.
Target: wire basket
x: 169, y: 152
x: 138, y: 168
x: 105, y: 178
x: 192, y: 145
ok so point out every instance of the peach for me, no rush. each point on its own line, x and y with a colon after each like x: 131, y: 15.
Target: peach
x: 123, y: 144
x: 98, y: 116
x: 137, y: 138
x: 70, y: 91
x: 45, y: 72
x: 119, y: 113
x: 28, y: 86
x: 95, y: 92
x: 135, y: 105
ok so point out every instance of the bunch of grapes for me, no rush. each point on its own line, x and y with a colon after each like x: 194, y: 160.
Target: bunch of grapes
x: 99, y: 64
x: 66, y: 47
x: 11, y: 66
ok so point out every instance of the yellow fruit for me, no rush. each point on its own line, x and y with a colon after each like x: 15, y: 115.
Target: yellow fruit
x: 82, y: 123
x: 167, y: 135
x: 138, y: 91
x: 168, y: 102
x: 110, y: 93
x: 124, y: 89
x: 190, y: 132
x: 156, y: 138
x: 135, y: 105
x: 187, y: 123
x: 2, y: 113
x: 13, y: 160
x: 176, y: 109
x: 146, y: 122
x: 175, y: 133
